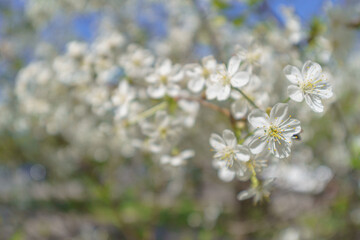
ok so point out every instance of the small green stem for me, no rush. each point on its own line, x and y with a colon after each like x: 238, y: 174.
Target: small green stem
x: 254, y: 179
x: 148, y: 113
x: 247, y: 98
x: 286, y: 100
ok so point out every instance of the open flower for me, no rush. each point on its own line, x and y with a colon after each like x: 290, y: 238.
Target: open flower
x: 273, y: 132
x: 163, y: 132
x: 259, y: 192
x: 229, y: 154
x: 219, y: 86
x: 199, y: 74
x: 310, y: 84
x: 164, y: 80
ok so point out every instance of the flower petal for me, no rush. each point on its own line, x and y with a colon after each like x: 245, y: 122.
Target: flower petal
x: 293, y: 74
x: 226, y: 175
x: 173, y: 90
x: 209, y: 63
x: 243, y: 153
x: 233, y: 65
x: 311, y: 70
x: 240, y: 79
x: 295, y: 93
x: 223, y: 93
x: 314, y: 102
x: 280, y: 150
x: 258, y: 143
x: 156, y: 91
x: 279, y: 112
x: 196, y: 84
x: 246, y: 194
x: 211, y: 92
x: 229, y: 138
x: 164, y: 67
x: 239, y: 108
x: 258, y: 118
x: 217, y: 142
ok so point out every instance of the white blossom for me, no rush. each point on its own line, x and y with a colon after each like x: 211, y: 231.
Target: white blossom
x: 136, y: 61
x: 219, y: 86
x: 273, y: 132
x: 200, y: 74
x: 311, y: 83
x: 229, y: 154
x: 164, y: 80
x: 162, y: 132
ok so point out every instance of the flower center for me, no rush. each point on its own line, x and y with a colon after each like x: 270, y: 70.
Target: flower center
x: 275, y: 133
x: 253, y: 57
x: 205, y: 73
x: 163, y: 79
x: 307, y: 86
x: 228, y: 156
x: 225, y: 80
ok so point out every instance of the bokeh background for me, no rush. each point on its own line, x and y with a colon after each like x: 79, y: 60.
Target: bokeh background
x: 52, y: 188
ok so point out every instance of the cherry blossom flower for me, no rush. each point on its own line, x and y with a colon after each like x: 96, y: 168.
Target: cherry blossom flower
x: 219, y: 86
x: 273, y: 132
x: 164, y: 80
x: 199, y: 74
x: 310, y: 84
x: 229, y: 154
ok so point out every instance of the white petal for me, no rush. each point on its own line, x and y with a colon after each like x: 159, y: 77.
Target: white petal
x: 217, y: 142
x: 293, y: 74
x: 280, y: 150
x: 239, y: 108
x: 229, y: 138
x: 295, y: 93
x: 311, y: 70
x: 226, y: 175
x: 279, y: 112
x: 243, y: 153
x: 240, y: 79
x: 290, y: 127
x: 156, y: 91
x: 325, y: 93
x: 211, y: 91
x: 324, y: 89
x: 177, y: 77
x: 173, y: 90
x: 233, y: 65
x: 209, y: 63
x: 187, y: 154
x: 258, y: 143
x: 258, y: 118
x: 314, y: 102
x: 165, y: 67
x: 223, y: 93
x: 196, y: 84
x: 243, y: 195
x: 153, y: 78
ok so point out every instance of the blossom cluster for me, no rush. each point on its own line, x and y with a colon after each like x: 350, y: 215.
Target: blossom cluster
x: 116, y: 98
